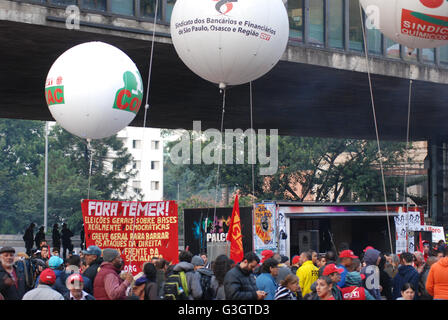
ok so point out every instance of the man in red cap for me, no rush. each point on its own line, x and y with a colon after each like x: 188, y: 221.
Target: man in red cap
x: 368, y: 248
x: 266, y: 254
x: 335, y: 275
x: 75, y: 283
x: 44, y: 291
x: 346, y: 257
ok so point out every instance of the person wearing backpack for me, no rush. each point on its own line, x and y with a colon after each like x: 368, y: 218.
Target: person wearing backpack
x: 182, y: 284
x: 204, y: 276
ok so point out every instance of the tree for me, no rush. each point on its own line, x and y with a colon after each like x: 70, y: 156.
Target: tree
x: 22, y: 174
x: 308, y: 168
x: 22, y: 148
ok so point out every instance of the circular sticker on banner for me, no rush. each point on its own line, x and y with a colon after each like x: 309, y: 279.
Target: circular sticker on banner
x: 412, y: 23
x: 94, y: 90
x: 230, y: 42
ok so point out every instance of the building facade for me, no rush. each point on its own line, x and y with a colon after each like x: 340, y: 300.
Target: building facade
x: 146, y: 147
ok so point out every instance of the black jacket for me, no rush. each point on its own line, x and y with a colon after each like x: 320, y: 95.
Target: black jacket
x: 92, y: 270
x: 11, y: 292
x: 56, y: 236
x: 88, y: 296
x: 239, y: 284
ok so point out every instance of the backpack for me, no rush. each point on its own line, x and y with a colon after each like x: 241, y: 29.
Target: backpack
x: 176, y: 287
x: 205, y: 281
x: 26, y: 267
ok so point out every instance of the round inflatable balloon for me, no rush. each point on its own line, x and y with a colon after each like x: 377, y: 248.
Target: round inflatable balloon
x: 412, y: 23
x: 230, y: 42
x: 94, y: 90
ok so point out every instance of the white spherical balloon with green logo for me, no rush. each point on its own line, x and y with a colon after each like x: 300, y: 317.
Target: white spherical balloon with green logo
x: 230, y: 42
x: 412, y: 23
x: 94, y: 90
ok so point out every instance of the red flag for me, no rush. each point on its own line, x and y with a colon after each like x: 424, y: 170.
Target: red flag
x: 234, y: 236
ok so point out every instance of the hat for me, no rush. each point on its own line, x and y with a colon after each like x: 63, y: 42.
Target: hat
x: 7, y: 249
x: 283, y: 259
x: 93, y: 250
x: 55, y: 262
x: 110, y: 254
x: 74, y: 280
x: 197, y: 261
x: 266, y: 254
x: 426, y: 243
x: 47, y: 277
x: 347, y: 254
x: 331, y: 268
x: 368, y: 248
x: 295, y: 259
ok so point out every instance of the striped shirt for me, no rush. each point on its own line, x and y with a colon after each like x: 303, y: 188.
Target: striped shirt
x: 283, y: 293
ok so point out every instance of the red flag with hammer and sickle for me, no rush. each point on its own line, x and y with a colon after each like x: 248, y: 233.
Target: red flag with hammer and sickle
x: 234, y: 236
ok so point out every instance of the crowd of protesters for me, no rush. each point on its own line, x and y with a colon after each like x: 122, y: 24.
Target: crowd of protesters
x: 96, y: 274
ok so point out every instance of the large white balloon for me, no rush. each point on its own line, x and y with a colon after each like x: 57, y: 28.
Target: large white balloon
x: 230, y: 42
x: 94, y: 90
x: 412, y: 23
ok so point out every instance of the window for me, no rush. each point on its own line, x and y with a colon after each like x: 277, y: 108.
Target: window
x: 393, y: 49
x: 316, y: 22
x: 355, y: 27
x: 155, y: 145
x: 410, y: 54
x: 154, y: 185
x: 336, y: 23
x: 444, y: 55
x: 64, y: 2
x: 148, y: 8
x: 136, y: 184
x: 94, y: 4
x: 136, y: 164
x: 155, y: 165
x: 374, y: 41
x: 295, y: 14
x: 428, y: 55
x: 169, y: 9
x: 122, y: 7
x: 136, y: 144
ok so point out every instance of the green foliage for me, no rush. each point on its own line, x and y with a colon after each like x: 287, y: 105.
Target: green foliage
x: 336, y: 170
x: 22, y: 174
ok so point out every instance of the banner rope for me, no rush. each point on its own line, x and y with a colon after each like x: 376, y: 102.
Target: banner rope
x: 89, y: 148
x: 376, y: 125
x: 144, y: 124
x: 223, y: 92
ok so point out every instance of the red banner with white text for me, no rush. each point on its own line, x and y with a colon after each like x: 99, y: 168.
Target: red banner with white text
x: 138, y: 230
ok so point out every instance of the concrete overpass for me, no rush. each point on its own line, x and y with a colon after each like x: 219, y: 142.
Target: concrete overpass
x: 313, y: 91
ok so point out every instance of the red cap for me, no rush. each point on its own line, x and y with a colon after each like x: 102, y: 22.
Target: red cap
x: 368, y: 248
x: 74, y: 281
x: 295, y: 259
x: 266, y: 254
x: 47, y: 276
x: 331, y: 268
x: 347, y: 254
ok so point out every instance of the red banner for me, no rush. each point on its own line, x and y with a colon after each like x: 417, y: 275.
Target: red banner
x: 234, y: 236
x: 138, y: 230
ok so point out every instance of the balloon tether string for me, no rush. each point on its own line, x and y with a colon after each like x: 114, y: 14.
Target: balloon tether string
x: 144, y: 120
x: 376, y: 125
x: 223, y: 92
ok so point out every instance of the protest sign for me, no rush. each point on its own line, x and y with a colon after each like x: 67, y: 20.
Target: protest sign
x: 138, y: 230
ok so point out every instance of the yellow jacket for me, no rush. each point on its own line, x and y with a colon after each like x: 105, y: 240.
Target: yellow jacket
x: 308, y: 274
